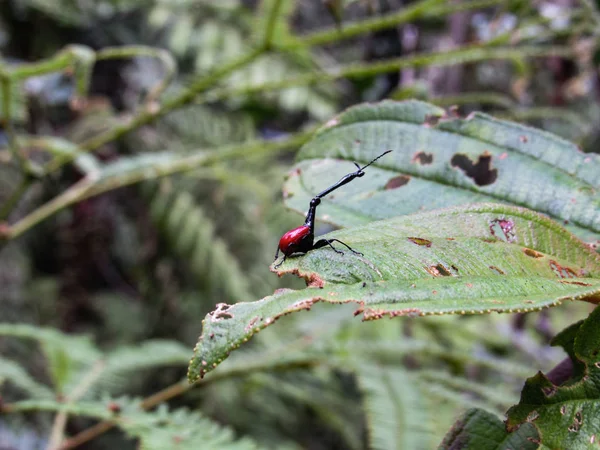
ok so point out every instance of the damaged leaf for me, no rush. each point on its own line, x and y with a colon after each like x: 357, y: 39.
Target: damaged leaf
x: 465, y: 260
x: 440, y: 161
x: 566, y: 415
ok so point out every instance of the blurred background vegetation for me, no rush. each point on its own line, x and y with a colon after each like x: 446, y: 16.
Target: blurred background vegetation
x: 232, y: 88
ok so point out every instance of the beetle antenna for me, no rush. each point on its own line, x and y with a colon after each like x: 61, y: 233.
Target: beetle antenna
x: 364, y: 167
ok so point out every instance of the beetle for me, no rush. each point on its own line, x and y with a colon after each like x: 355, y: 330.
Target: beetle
x: 302, y: 238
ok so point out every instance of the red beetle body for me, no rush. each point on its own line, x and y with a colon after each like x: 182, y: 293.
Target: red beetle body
x: 294, y: 240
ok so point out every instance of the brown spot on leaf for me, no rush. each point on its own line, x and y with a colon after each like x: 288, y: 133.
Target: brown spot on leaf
x: 533, y: 416
x: 578, y: 283
x: 420, y: 241
x: 251, y: 324
x: 498, y: 270
x: 422, y: 158
x: 303, y: 305
x: 375, y: 314
x: 577, y: 422
x: 221, y: 313
x: 549, y: 391
x: 532, y: 253
x: 438, y: 271
x: 523, y: 139
x: 561, y: 271
x: 481, y: 172
x: 431, y: 120
x: 503, y: 229
x: 397, y: 182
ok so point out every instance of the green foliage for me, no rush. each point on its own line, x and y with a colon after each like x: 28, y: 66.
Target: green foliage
x: 440, y: 161
x: 566, y: 415
x: 448, y: 262
x: 397, y: 414
x: 478, y: 429
x: 14, y: 373
x: 548, y: 415
x: 192, y: 237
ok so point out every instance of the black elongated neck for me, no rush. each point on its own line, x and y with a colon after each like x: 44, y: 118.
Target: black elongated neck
x: 312, y: 213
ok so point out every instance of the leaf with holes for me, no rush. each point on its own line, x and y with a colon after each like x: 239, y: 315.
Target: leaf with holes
x: 465, y: 260
x: 440, y: 161
x: 480, y: 430
x: 566, y: 416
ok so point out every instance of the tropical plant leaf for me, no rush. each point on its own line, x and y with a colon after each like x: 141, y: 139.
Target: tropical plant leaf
x: 566, y: 416
x: 181, y: 429
x: 13, y: 372
x: 66, y: 355
x: 159, y: 429
x: 441, y: 161
x: 480, y: 430
x: 396, y: 409
x: 466, y: 260
x: 193, y: 237
x: 123, y: 364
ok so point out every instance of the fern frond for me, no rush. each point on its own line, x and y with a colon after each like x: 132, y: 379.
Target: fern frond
x: 181, y: 429
x: 201, y: 126
x: 193, y: 239
x: 497, y: 398
x: 122, y: 365
x: 157, y: 430
x: 396, y: 410
x: 66, y: 355
x: 18, y: 376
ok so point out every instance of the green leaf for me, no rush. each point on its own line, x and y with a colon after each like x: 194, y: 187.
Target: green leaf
x: 181, y: 429
x: 160, y: 429
x: 396, y: 410
x: 480, y: 430
x: 566, y: 416
x: 467, y: 260
x: 441, y: 161
x: 66, y: 355
x: 123, y: 365
x: 13, y: 372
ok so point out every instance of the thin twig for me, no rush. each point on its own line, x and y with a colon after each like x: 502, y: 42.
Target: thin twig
x: 427, y: 8
x: 463, y: 55
x: 189, y: 95
x: 97, y: 183
x: 60, y: 420
x: 15, y: 197
x: 13, y: 146
x: 183, y: 386
x: 271, y: 24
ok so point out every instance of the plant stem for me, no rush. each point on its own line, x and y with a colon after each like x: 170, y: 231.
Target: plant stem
x: 14, y: 198
x: 99, y: 182
x: 167, y: 60
x: 183, y: 386
x: 60, y: 420
x: 8, y: 127
x: 426, y: 8
x: 186, y: 97
x: 461, y: 55
x: 271, y: 24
